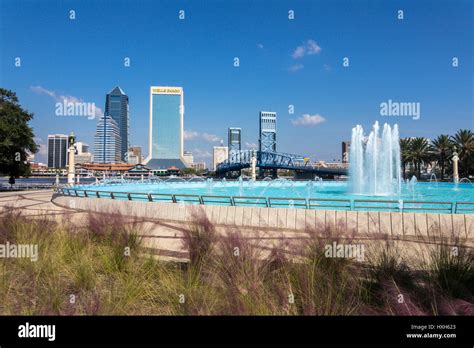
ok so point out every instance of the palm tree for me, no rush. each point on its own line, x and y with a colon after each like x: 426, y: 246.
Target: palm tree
x: 420, y: 153
x: 464, y: 142
x: 441, y: 148
x: 405, y: 144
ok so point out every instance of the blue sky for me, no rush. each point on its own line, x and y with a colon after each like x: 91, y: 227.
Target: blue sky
x: 282, y: 62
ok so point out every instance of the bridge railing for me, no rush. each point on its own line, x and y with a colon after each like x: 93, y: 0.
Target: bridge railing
x: 280, y: 202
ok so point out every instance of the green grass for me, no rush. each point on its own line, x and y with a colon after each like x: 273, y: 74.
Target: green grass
x: 87, y: 270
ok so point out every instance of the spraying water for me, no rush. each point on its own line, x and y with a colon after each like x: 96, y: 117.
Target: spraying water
x: 375, y: 161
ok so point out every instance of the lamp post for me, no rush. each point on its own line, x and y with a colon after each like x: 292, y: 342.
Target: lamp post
x: 254, y: 165
x: 71, y: 166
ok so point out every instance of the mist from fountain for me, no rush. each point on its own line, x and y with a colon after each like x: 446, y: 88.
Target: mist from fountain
x: 375, y: 161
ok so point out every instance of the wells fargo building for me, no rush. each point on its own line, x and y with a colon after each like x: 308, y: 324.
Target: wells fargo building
x: 166, y: 128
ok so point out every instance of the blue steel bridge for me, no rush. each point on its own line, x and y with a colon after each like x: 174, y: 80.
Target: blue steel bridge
x: 275, y: 160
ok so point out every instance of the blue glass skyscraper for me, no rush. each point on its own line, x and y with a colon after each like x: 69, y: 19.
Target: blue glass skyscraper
x: 116, y: 106
x: 166, y: 128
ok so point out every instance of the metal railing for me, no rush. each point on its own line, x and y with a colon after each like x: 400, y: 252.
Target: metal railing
x: 282, y: 202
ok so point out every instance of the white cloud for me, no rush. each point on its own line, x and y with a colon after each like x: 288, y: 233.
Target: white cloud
x: 327, y: 67
x: 63, y: 98
x: 310, y: 47
x: 194, y: 135
x: 212, y: 138
x: 190, y: 135
x: 201, y: 154
x: 42, y: 147
x: 260, y: 46
x: 299, y: 52
x: 308, y: 120
x: 296, y: 67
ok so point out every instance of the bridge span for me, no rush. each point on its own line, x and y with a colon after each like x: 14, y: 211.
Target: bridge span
x: 275, y: 160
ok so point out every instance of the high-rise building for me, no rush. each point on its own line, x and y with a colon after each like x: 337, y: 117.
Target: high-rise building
x: 107, y: 142
x: 188, y: 157
x: 234, y: 138
x: 166, y: 128
x: 267, y: 139
x: 82, y: 154
x: 220, y: 154
x: 57, y: 151
x: 346, y: 145
x: 116, y: 105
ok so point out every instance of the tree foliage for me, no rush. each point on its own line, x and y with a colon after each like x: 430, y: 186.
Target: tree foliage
x: 16, y: 136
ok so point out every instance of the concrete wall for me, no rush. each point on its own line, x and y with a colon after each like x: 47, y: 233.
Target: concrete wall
x: 397, y: 225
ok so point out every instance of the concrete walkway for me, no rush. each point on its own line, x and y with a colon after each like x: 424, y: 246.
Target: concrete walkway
x: 164, y: 238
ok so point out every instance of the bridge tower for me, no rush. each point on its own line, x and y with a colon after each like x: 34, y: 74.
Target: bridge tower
x: 234, y: 140
x: 267, y: 137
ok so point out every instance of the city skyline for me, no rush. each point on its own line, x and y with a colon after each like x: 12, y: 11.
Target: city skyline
x: 283, y: 65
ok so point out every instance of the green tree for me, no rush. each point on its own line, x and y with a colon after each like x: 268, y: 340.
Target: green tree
x: 464, y: 142
x: 405, y: 154
x: 441, y: 148
x: 16, y: 136
x: 189, y: 171
x: 420, y: 153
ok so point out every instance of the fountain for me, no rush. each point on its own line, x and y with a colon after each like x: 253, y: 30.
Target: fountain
x: 241, y: 183
x: 375, y: 161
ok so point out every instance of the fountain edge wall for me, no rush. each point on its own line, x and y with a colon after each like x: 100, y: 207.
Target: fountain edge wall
x: 396, y: 225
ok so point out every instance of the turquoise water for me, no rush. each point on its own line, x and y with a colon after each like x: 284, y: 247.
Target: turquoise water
x: 318, y: 193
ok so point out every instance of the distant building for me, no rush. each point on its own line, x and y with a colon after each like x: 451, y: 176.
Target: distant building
x: 199, y: 166
x: 116, y: 105
x: 107, y: 144
x: 82, y: 154
x: 166, y: 128
x: 136, y: 151
x: 220, y: 154
x: 139, y: 170
x: 267, y: 138
x: 132, y: 158
x: 188, y: 157
x: 109, y: 168
x: 57, y: 151
x: 38, y: 168
x: 82, y: 147
x: 234, y: 138
x: 346, y: 146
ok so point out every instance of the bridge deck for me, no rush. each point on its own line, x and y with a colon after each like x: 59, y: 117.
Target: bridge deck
x: 275, y: 160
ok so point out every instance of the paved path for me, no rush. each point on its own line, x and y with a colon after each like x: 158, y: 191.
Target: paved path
x: 164, y: 238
